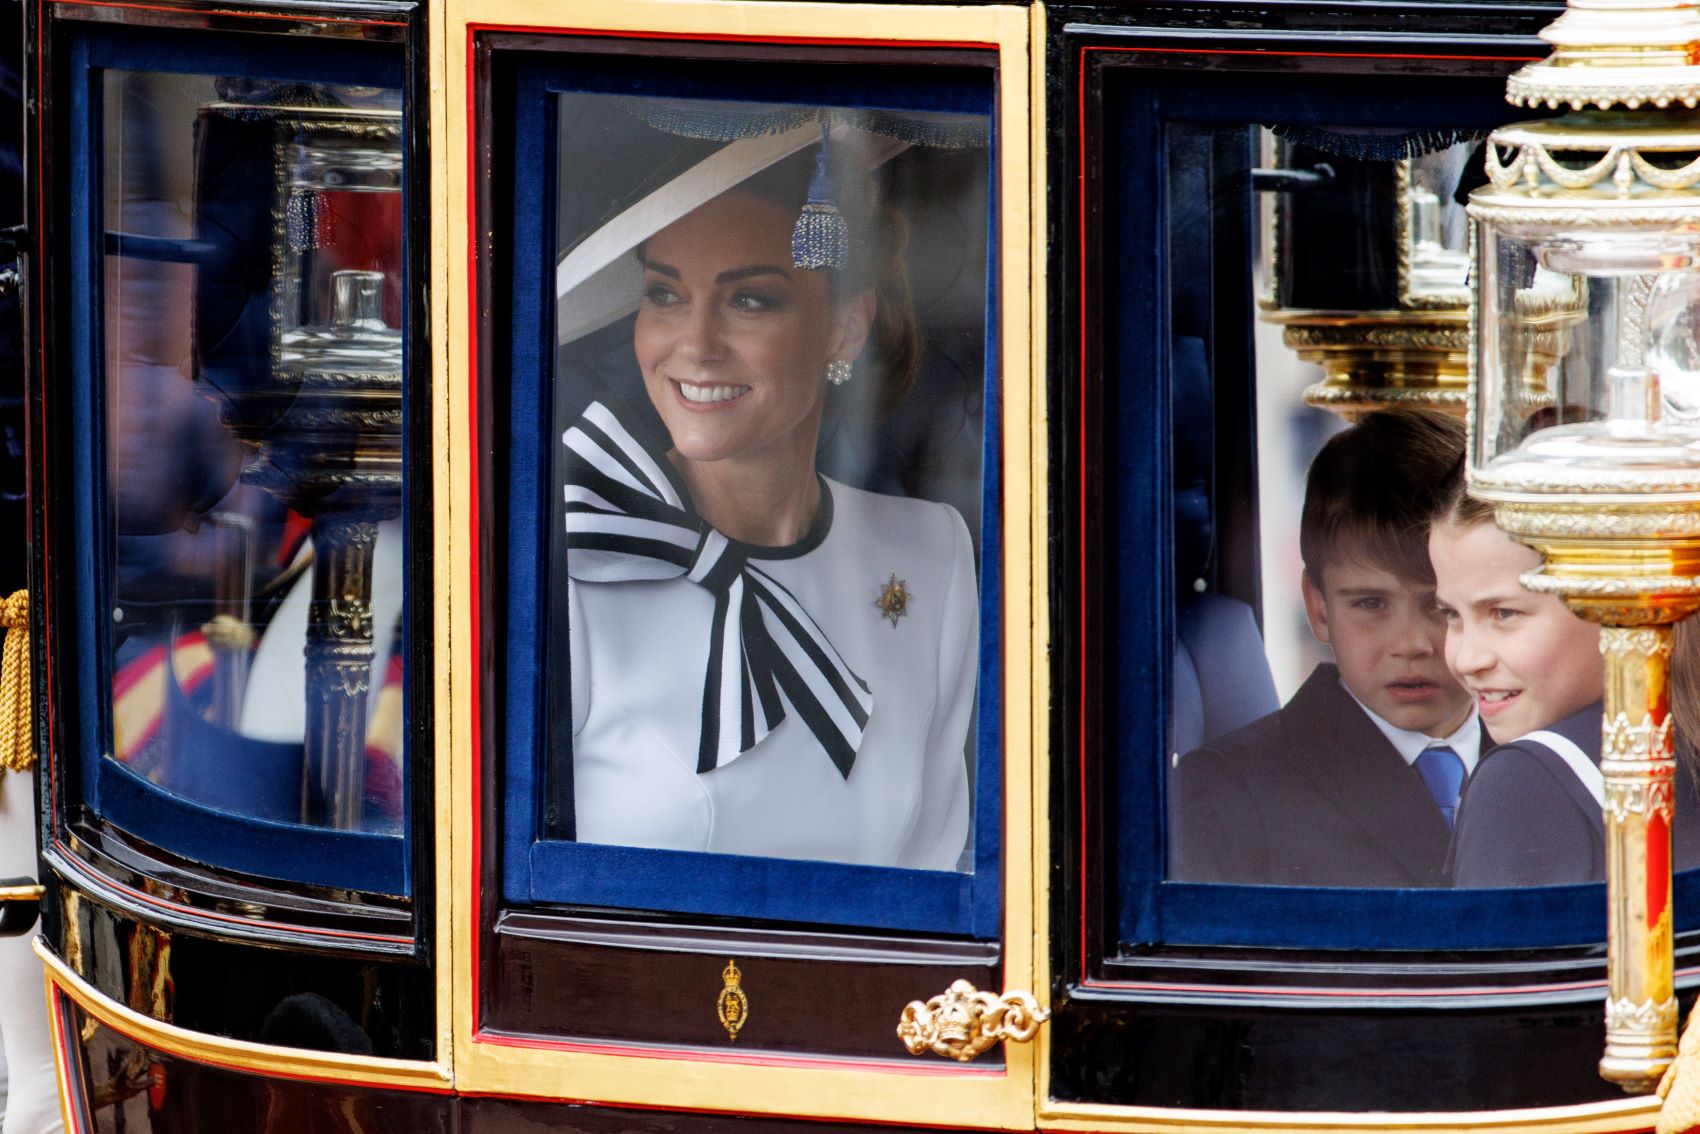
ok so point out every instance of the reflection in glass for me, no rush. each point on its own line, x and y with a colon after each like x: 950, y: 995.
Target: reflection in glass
x: 1319, y: 735
x: 252, y: 392
x: 768, y: 393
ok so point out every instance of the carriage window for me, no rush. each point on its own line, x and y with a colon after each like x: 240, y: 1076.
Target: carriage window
x: 1348, y: 659
x: 1365, y: 713
x: 764, y: 508
x: 1352, y: 641
x: 249, y: 397
x: 1319, y: 736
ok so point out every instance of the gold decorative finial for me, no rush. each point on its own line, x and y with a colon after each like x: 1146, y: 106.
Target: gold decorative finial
x: 962, y: 1022
x: 732, y: 1006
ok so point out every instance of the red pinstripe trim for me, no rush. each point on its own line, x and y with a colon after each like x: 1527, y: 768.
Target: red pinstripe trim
x: 71, y: 1098
x: 1281, y: 54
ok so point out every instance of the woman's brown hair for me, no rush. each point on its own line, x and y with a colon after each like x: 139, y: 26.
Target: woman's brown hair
x: 876, y: 261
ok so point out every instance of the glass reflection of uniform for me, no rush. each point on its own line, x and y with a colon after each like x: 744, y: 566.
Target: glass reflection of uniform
x: 220, y: 336
x: 768, y: 693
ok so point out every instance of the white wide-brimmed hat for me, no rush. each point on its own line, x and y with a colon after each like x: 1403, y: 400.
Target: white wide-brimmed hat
x: 598, y: 281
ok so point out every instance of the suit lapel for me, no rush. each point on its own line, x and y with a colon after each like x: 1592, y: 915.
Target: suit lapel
x: 1348, y: 760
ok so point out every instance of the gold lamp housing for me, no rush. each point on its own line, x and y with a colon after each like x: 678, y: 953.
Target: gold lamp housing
x: 1585, y: 423
x: 1397, y: 341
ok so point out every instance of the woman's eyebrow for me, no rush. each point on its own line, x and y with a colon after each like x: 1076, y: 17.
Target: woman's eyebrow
x: 733, y: 275
x: 660, y: 269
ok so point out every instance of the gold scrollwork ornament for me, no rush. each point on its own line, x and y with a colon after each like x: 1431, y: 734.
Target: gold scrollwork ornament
x: 962, y: 1022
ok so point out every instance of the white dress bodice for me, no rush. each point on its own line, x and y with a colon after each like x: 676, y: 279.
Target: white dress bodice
x: 639, y: 651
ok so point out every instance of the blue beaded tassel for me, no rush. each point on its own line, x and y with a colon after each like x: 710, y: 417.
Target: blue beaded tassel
x: 821, y: 238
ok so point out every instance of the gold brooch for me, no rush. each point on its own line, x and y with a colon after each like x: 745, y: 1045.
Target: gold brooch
x: 894, y: 599
x: 732, y: 1006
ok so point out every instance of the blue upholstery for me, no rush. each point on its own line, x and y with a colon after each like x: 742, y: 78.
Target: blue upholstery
x: 1186, y: 725
x: 1220, y: 637
x: 1221, y: 677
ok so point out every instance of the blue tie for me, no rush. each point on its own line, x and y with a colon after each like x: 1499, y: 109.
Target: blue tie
x: 1442, y: 771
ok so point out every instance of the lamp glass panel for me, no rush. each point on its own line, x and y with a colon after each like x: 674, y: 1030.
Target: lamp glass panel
x: 250, y: 388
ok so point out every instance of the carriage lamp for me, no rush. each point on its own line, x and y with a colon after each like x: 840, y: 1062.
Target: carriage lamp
x: 314, y: 389
x: 1585, y: 422
x: 1386, y: 313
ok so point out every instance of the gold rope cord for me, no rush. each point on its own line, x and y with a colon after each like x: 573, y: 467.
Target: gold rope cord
x: 17, y: 720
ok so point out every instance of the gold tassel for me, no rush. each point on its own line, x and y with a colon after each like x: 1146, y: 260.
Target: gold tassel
x: 17, y: 718
x: 1680, y: 1087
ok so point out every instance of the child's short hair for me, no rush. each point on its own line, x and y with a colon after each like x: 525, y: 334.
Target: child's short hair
x: 1373, y: 489
x: 1456, y: 505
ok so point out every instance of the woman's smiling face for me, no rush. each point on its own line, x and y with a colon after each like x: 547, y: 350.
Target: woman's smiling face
x: 734, y: 341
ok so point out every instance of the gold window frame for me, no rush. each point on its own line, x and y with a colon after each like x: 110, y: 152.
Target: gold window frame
x: 908, y: 1089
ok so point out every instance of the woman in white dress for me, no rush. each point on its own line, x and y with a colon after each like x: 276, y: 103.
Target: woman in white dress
x: 765, y: 661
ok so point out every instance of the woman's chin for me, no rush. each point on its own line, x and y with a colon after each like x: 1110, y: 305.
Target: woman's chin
x: 700, y: 453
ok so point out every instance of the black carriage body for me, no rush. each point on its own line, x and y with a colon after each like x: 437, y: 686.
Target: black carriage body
x: 193, y: 990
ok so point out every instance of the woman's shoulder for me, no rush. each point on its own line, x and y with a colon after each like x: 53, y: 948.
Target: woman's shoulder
x: 931, y: 528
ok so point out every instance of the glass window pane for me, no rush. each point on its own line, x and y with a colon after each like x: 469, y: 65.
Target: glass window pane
x: 1336, y: 694
x: 769, y: 433
x: 252, y: 389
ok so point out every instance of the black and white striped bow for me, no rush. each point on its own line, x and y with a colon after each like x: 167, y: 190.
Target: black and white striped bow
x: 627, y: 521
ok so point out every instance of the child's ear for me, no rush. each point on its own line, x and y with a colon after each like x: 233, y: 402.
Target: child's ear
x: 1316, y: 611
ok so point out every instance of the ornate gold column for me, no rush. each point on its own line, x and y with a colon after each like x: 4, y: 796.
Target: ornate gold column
x: 1634, y: 567
x: 1638, y: 764
x: 339, y: 663
x: 1588, y: 443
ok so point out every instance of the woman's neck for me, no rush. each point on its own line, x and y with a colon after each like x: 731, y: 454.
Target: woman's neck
x: 755, y: 501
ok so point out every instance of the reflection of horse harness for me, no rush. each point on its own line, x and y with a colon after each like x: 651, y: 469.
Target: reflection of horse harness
x: 171, y: 723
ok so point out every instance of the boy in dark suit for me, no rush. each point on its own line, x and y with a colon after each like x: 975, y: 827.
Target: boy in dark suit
x: 1354, y: 781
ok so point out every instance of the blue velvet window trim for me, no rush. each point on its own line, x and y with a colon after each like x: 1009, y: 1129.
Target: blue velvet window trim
x: 343, y: 860
x: 776, y: 889
x: 320, y: 60
x: 537, y: 869
x: 1139, y: 106
x: 776, y: 82
x: 291, y: 852
x: 1276, y: 916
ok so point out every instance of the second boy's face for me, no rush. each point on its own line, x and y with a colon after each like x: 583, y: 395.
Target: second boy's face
x: 1525, y: 658
x: 1388, y: 642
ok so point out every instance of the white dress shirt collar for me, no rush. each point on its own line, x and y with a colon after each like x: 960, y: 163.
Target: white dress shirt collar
x: 1466, y: 741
